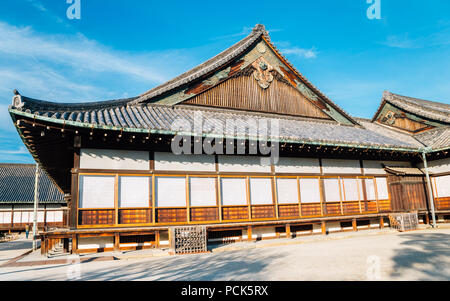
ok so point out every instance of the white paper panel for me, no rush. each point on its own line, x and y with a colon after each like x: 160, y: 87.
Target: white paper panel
x: 7, y: 217
x: 332, y: 193
x: 297, y: 165
x: 50, y: 216
x: 26, y: 217
x: 17, y: 218
x: 382, y: 188
x: 351, y: 189
x: 170, y: 191
x: 134, y: 191
x: 338, y: 166
x: 287, y: 191
x: 233, y: 191
x: 260, y: 191
x: 114, y: 159
x: 170, y: 161
x: 242, y: 164
x: 443, y: 186
x: 370, y: 189
x: 202, y: 191
x: 309, y: 190
x: 40, y: 216
x: 96, y: 192
x: 58, y: 216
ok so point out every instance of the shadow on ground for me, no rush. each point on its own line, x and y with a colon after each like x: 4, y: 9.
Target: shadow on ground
x: 16, y: 245
x: 427, y: 254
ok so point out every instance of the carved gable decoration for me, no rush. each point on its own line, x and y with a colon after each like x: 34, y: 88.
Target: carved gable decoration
x: 262, y: 73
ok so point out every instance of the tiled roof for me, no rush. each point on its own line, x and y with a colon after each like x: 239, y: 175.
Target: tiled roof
x: 224, y: 58
x: 17, y: 185
x: 438, y: 138
x: 160, y: 118
x: 424, y: 108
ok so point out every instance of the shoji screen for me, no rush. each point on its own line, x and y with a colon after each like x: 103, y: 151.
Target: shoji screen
x: 96, y: 192
x: 233, y: 191
x: 134, y: 191
x: 287, y: 190
x: 170, y: 191
x: 261, y: 191
x: 309, y: 190
x: 202, y: 191
x: 351, y: 190
x: 370, y: 189
x: 382, y: 188
x: 332, y: 192
x: 442, y: 186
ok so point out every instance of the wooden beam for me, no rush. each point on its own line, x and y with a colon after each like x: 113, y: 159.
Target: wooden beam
x: 324, y: 227
x: 355, y: 227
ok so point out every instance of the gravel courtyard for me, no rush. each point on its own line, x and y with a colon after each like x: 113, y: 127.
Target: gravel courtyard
x: 416, y: 255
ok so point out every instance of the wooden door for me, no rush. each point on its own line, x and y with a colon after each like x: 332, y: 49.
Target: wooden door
x: 407, y: 193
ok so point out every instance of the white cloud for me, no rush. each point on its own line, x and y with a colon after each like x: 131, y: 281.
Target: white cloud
x: 300, y: 52
x: 76, y: 51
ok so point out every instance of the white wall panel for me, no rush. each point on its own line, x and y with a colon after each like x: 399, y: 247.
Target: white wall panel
x: 95, y: 242
x: 338, y: 166
x: 351, y: 189
x: 260, y: 191
x: 184, y: 162
x: 309, y: 190
x: 170, y: 191
x: 96, y: 191
x: 437, y: 166
x: 370, y: 189
x: 134, y: 191
x: 233, y: 191
x: 242, y: 164
x: 382, y: 188
x: 114, y: 159
x: 287, y: 191
x: 443, y: 186
x: 332, y: 192
x: 297, y: 165
x: 202, y: 191
x: 374, y: 167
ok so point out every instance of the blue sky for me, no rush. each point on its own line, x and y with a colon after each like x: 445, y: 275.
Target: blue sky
x: 123, y: 48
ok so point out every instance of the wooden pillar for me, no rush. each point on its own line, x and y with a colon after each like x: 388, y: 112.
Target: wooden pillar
x: 324, y: 228
x: 43, y: 241
x: 288, y: 231
x: 381, y: 222
x: 74, y: 244
x: 427, y: 219
x: 116, y: 242
x: 249, y: 233
x: 355, y: 228
x: 157, y: 238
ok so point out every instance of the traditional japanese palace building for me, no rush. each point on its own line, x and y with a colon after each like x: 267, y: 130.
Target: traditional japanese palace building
x: 17, y: 199
x: 292, y: 163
